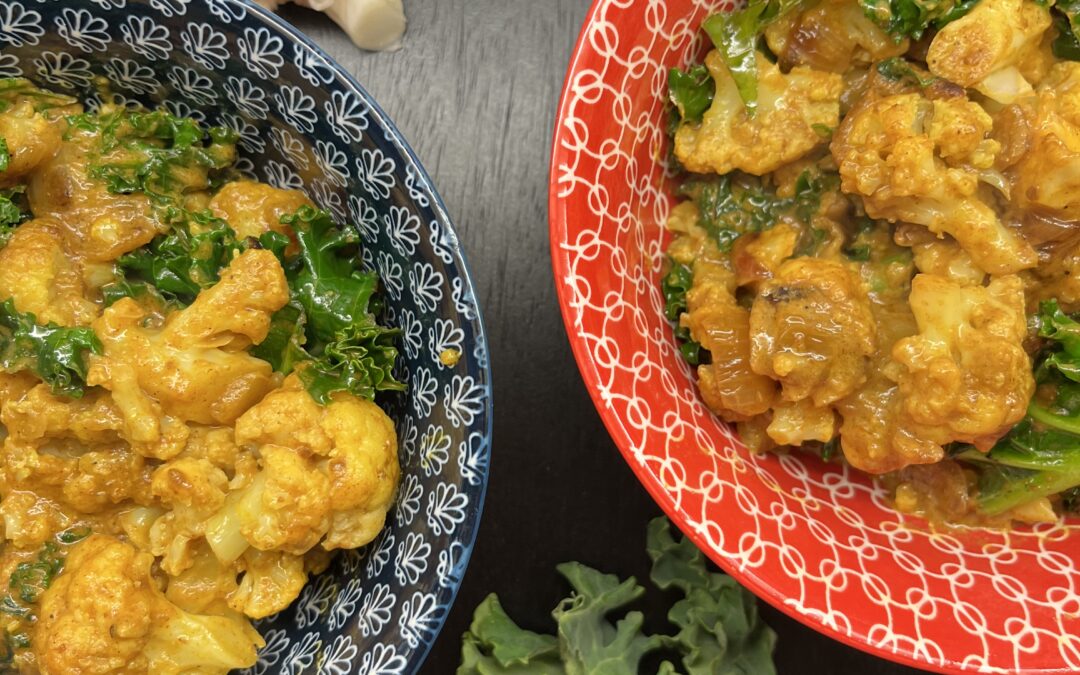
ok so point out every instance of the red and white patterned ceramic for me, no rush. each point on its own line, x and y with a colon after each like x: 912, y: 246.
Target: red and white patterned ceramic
x: 819, y: 542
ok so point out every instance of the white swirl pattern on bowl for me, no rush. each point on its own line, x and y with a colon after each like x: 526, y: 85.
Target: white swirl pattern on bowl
x: 818, y: 541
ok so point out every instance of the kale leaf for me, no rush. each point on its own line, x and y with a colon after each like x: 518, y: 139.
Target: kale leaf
x: 911, y: 18
x: 675, y: 285
x: 5, y: 155
x: 719, y: 630
x: 156, y: 153
x: 735, y: 204
x: 329, y: 332
x: 178, y: 264
x: 28, y: 581
x: 691, y: 92
x: 56, y: 354
x: 1040, y: 456
x: 735, y: 34
x: 12, y: 213
x: 898, y: 69
x: 13, y: 89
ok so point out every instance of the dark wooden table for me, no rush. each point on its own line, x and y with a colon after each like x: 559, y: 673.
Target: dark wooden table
x: 474, y: 90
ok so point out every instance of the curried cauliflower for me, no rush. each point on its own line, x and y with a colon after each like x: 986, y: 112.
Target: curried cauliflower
x: 252, y: 208
x: 1047, y: 176
x: 104, y: 615
x: 31, y: 140
x: 192, y: 369
x: 916, y: 160
x: 832, y: 35
x: 789, y: 107
x: 98, y: 226
x: 965, y: 377
x: 985, y: 48
x: 940, y: 256
x: 795, y: 422
x: 873, y: 433
x: 811, y: 329
x: 325, y: 474
x: 729, y: 387
x: 37, y: 273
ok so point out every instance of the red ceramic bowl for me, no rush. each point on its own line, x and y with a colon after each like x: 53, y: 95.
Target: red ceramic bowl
x: 818, y: 542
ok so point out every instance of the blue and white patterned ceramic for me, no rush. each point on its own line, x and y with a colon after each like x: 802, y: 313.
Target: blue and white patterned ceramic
x: 305, y: 123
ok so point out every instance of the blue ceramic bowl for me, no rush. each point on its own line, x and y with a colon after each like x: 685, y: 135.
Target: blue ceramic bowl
x: 306, y: 123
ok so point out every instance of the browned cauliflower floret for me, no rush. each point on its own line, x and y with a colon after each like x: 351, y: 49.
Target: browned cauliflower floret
x: 37, y: 273
x: 193, y: 489
x: 330, y: 479
x: 729, y: 387
x: 31, y: 139
x: 104, y: 615
x: 916, y: 160
x: 811, y: 329
x: 98, y: 225
x: 831, y: 35
x: 790, y: 106
x: 1058, y: 276
x: 253, y: 208
x: 984, y: 48
x: 190, y: 370
x: 1047, y: 177
x: 965, y: 376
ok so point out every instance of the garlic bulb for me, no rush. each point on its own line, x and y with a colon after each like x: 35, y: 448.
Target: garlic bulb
x: 372, y: 24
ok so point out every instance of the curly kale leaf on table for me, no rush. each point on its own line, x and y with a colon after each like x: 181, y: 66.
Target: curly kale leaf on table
x: 719, y: 630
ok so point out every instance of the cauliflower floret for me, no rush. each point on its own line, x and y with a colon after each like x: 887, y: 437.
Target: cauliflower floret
x: 916, y: 160
x: 965, y: 376
x: 253, y: 208
x: 37, y: 273
x: 193, y: 489
x: 1047, y: 177
x: 940, y: 256
x: 811, y: 329
x: 983, y: 48
x: 1058, y: 277
x: 189, y: 370
x: 728, y: 386
x: 790, y: 106
x: 30, y: 519
x: 793, y: 423
x: 104, y: 615
x: 98, y: 226
x: 332, y: 475
x: 271, y: 581
x: 40, y: 415
x: 832, y: 35
x: 13, y: 386
x: 874, y: 436
x: 31, y: 139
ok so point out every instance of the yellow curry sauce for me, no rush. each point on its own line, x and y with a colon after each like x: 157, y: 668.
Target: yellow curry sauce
x: 878, y: 252
x: 164, y: 480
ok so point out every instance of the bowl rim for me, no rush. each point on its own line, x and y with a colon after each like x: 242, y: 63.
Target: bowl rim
x: 558, y: 219
x: 383, y: 121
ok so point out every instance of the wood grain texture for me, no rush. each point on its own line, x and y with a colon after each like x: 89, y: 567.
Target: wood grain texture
x: 474, y: 90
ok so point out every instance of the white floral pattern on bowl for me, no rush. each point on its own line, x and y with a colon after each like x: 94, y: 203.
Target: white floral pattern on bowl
x: 305, y: 123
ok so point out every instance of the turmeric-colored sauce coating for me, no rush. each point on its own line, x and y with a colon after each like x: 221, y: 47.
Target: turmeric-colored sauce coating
x: 862, y: 256
x: 184, y: 487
